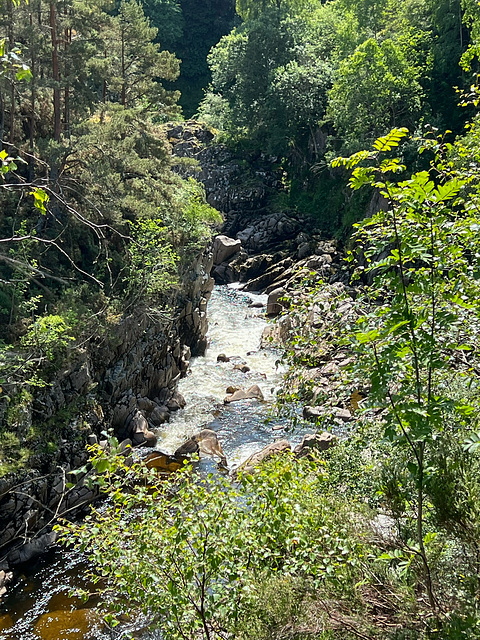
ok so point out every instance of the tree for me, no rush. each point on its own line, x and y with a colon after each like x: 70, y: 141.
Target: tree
x: 205, y: 24
x: 412, y: 341
x: 450, y: 40
x: 251, y: 9
x: 270, y: 79
x: 167, y: 17
x: 376, y: 88
x: 297, y: 100
x: 136, y: 62
x: 369, y: 13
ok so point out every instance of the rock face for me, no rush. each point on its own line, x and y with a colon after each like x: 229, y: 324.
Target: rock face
x: 315, y: 442
x: 31, y: 549
x: 274, y: 306
x: 269, y: 231
x: 237, y: 186
x: 137, y: 427
x: 264, y: 250
x: 126, y: 380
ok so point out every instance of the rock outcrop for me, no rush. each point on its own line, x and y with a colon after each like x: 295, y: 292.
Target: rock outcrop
x: 265, y: 250
x: 125, y: 380
x: 5, y: 578
x: 224, y: 248
x: 239, y: 186
x: 313, y: 442
x: 205, y: 441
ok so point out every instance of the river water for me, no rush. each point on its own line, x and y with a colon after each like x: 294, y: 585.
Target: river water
x: 39, y: 606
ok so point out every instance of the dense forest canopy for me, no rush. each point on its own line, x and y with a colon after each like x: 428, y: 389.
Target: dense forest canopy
x: 301, y: 80
x: 190, y: 29
x: 307, y: 80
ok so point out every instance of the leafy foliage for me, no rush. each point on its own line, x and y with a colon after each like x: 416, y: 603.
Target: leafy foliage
x: 306, y: 81
x: 419, y: 253
x: 376, y: 88
x: 193, y: 566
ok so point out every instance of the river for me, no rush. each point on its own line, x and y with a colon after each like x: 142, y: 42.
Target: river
x: 38, y: 606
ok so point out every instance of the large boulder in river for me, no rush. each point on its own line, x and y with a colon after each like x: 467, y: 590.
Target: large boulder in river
x: 32, y: 549
x: 5, y: 578
x: 274, y: 449
x: 159, y: 415
x: 224, y: 248
x: 205, y: 441
x: 176, y: 402
x: 241, y: 367
x: 253, y: 392
x: 162, y: 462
x: 313, y: 413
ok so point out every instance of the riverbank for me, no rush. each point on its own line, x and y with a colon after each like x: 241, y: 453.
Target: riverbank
x: 123, y: 379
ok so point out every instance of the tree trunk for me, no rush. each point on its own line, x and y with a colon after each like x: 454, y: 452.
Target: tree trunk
x: 66, y: 106
x: 55, y: 75
x: 124, y: 80
x: 2, y: 117
x: 11, y: 45
x: 104, y: 88
x: 33, y: 100
x: 11, y: 136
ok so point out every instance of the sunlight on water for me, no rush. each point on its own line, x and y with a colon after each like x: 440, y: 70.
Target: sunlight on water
x: 235, y: 329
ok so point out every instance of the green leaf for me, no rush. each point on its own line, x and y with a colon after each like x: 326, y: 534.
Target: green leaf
x: 24, y: 73
x: 40, y: 198
x: 102, y: 465
x: 352, y: 160
x: 447, y: 191
x: 391, y: 140
x: 472, y: 443
x: 370, y: 336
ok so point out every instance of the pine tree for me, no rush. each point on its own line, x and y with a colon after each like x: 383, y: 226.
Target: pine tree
x: 136, y: 63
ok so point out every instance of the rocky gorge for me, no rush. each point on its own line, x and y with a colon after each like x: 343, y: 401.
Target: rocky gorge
x: 126, y: 380
x: 262, y: 246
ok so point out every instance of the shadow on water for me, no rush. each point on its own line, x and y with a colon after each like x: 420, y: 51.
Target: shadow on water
x: 38, y: 606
